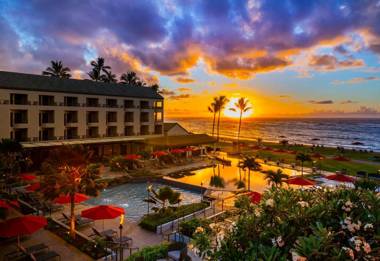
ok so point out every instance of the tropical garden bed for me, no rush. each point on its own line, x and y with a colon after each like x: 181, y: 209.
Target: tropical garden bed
x: 152, y: 221
x: 301, y: 225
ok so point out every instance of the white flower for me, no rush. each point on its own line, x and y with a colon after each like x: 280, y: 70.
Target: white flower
x: 303, y: 204
x: 269, y: 202
x: 368, y: 226
x: 349, y: 204
x: 212, y: 225
x: 349, y: 252
x: 296, y: 257
x: 257, y: 212
x: 280, y: 242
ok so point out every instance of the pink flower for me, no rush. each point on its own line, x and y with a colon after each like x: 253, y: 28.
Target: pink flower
x: 367, y: 248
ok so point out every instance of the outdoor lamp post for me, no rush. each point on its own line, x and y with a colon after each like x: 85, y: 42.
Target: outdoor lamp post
x: 121, y: 236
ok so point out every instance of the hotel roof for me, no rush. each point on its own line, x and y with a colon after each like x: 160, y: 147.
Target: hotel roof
x: 33, y: 82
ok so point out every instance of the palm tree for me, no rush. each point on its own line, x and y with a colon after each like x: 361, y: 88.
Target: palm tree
x: 221, y: 102
x: 109, y: 77
x: 129, y: 78
x: 164, y: 196
x: 275, y: 178
x: 66, y: 171
x: 213, y: 108
x: 57, y: 70
x: 98, y: 68
x: 303, y: 158
x: 249, y: 163
x: 242, y: 105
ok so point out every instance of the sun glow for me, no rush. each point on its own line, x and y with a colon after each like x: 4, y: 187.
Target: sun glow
x: 236, y: 114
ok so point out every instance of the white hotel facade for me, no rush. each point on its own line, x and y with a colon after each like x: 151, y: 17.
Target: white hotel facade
x: 42, y: 111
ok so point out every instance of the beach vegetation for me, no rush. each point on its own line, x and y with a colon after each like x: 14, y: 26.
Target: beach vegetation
x: 57, y: 69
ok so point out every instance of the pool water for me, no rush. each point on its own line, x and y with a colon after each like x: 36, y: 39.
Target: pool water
x: 131, y: 196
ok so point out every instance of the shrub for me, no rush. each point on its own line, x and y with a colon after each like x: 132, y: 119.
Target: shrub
x: 188, y: 227
x: 118, y: 163
x: 318, y: 224
x: 152, y: 221
x: 151, y: 253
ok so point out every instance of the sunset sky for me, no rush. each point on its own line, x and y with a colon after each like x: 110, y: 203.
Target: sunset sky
x: 290, y: 58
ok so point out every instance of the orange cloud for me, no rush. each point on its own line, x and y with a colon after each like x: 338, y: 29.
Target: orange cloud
x: 184, y: 80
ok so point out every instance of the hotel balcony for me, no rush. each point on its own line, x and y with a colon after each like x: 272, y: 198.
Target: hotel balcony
x: 19, y: 118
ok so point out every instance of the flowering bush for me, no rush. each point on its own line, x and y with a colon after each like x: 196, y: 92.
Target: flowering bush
x: 340, y: 224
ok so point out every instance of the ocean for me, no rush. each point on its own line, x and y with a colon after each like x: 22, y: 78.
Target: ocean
x: 349, y: 133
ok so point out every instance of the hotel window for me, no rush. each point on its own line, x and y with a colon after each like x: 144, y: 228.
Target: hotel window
x: 20, y: 134
x: 129, y: 104
x: 92, y: 117
x: 158, y: 104
x: 111, y: 116
x: 46, y: 100
x: 46, y: 117
x: 71, y: 101
x: 92, y: 102
x: 128, y: 131
x: 144, y: 104
x: 71, y: 117
x: 19, y: 99
x: 144, y: 117
x: 19, y: 117
x: 158, y: 129
x: 128, y: 116
x: 111, y: 103
x: 71, y: 133
x: 93, y: 132
x: 111, y: 131
x: 144, y: 129
x: 158, y: 116
x: 47, y: 134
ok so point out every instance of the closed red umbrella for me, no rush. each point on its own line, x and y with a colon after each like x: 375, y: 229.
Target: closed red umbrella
x: 65, y: 199
x: 27, y: 176
x: 33, y: 187
x: 20, y: 226
x: 340, y: 178
x: 255, y: 197
x: 4, y: 204
x: 300, y: 181
x: 132, y: 157
x: 159, y: 153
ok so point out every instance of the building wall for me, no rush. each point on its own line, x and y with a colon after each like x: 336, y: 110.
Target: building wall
x: 177, y: 131
x: 33, y: 110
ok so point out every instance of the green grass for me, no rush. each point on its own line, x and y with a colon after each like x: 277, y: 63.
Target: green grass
x: 152, y: 221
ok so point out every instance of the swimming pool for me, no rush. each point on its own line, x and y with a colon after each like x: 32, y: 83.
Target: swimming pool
x: 131, y: 196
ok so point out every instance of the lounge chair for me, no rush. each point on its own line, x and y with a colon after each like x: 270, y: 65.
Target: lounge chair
x: 44, y: 256
x: 106, y: 233
x: 111, y: 236
x: 22, y: 251
x: 51, y: 207
x: 79, y: 221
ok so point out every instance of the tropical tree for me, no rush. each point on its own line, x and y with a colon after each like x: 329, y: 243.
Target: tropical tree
x: 213, y: 108
x: 221, y: 102
x: 156, y: 87
x: 109, y: 77
x: 249, y: 163
x: 303, y: 158
x: 67, y: 171
x: 131, y: 78
x: 57, y: 70
x: 164, y: 197
x: 98, y: 69
x: 275, y: 178
x: 242, y: 105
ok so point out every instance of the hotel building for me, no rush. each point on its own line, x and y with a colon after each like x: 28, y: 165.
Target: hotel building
x: 41, y: 111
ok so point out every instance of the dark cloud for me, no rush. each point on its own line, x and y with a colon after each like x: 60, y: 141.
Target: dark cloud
x: 328, y: 62
x: 348, y: 102
x: 357, y: 80
x: 167, y: 92
x: 235, y: 38
x: 321, y: 102
x: 179, y: 96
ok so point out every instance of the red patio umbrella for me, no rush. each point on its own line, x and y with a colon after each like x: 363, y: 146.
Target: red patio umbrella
x: 20, y: 226
x: 300, y: 181
x: 177, y: 151
x: 340, y: 178
x: 27, y: 176
x: 4, y: 204
x: 159, y: 153
x: 132, y: 157
x: 14, y: 203
x: 33, y: 187
x: 103, y: 212
x: 255, y: 197
x: 65, y: 199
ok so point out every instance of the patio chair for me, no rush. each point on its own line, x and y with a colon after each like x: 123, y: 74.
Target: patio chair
x: 23, y: 251
x: 51, y: 207
x: 105, y: 234
x: 124, y: 240
x: 45, y: 256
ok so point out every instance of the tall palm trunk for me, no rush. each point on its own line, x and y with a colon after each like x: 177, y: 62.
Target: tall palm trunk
x: 238, y: 136
x: 213, y: 124
x: 249, y: 180
x: 218, y: 126
x: 301, y: 168
x: 72, y: 214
